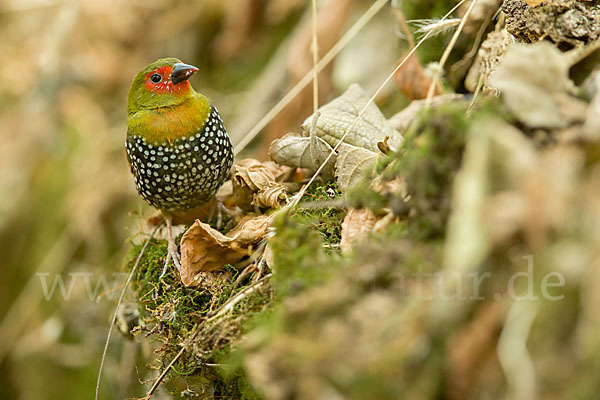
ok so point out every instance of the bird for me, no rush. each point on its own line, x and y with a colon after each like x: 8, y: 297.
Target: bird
x: 178, y: 149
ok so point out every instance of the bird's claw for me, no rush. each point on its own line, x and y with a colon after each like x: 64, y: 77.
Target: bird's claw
x: 172, y: 251
x: 172, y: 254
x: 219, y: 209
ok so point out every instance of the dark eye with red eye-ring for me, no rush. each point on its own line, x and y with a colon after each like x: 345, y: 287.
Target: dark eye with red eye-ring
x: 155, y: 78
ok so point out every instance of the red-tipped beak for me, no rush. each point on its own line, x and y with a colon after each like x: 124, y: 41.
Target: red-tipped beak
x: 182, y: 72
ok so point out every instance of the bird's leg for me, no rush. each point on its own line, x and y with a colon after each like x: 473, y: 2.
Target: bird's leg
x: 219, y: 208
x: 219, y: 213
x: 172, y: 253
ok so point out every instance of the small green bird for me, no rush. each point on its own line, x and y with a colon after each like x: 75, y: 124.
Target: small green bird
x: 177, y: 147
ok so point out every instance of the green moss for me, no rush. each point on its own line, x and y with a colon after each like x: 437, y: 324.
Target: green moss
x: 170, y: 313
x: 326, y: 221
x: 299, y: 258
x: 426, y: 164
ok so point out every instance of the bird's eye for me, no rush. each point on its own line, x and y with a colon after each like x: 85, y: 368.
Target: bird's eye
x: 156, y: 78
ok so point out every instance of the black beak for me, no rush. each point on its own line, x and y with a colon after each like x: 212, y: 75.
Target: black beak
x: 182, y: 72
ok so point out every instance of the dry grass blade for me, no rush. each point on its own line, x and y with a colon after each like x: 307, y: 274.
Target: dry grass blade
x: 114, y: 319
x: 327, y: 58
x: 434, y: 25
x: 436, y: 76
x: 404, y: 25
x: 315, y: 51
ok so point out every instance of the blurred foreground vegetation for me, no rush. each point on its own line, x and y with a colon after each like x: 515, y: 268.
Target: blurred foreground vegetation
x: 483, y: 187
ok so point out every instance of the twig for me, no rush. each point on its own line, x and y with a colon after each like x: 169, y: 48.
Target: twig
x: 114, y: 319
x: 404, y: 24
x: 327, y: 58
x: 245, y: 272
x: 436, y: 76
x: 229, y: 304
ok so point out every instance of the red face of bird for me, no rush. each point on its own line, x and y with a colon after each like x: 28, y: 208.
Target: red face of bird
x: 164, y: 83
x: 170, y: 79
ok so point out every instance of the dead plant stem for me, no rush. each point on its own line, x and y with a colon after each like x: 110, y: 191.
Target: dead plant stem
x: 436, y: 76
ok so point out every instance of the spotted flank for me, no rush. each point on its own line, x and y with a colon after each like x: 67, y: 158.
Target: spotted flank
x: 182, y: 175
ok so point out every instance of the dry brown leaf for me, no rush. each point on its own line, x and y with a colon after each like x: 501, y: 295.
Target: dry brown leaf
x: 361, y: 145
x: 351, y: 165
x: 412, y: 80
x: 204, y: 249
x: 294, y: 151
x: 249, y: 230
x: 357, y: 224
x: 271, y: 197
x: 338, y: 116
x: 255, y: 185
x: 535, y: 85
x: 253, y: 174
x: 282, y: 173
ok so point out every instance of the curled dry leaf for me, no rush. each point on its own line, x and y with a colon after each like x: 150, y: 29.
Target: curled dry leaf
x: 248, y: 231
x: 351, y: 165
x: 255, y: 185
x: 270, y: 197
x: 337, y: 117
x: 204, y: 249
x: 357, y: 224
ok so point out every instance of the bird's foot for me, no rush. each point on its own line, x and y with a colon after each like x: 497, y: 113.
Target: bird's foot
x: 172, y: 254
x: 172, y: 251
x: 164, y: 271
x: 219, y: 209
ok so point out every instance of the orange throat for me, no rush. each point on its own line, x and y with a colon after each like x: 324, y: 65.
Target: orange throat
x: 167, y: 124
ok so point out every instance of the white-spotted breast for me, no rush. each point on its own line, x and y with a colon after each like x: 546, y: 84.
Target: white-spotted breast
x: 179, y: 176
